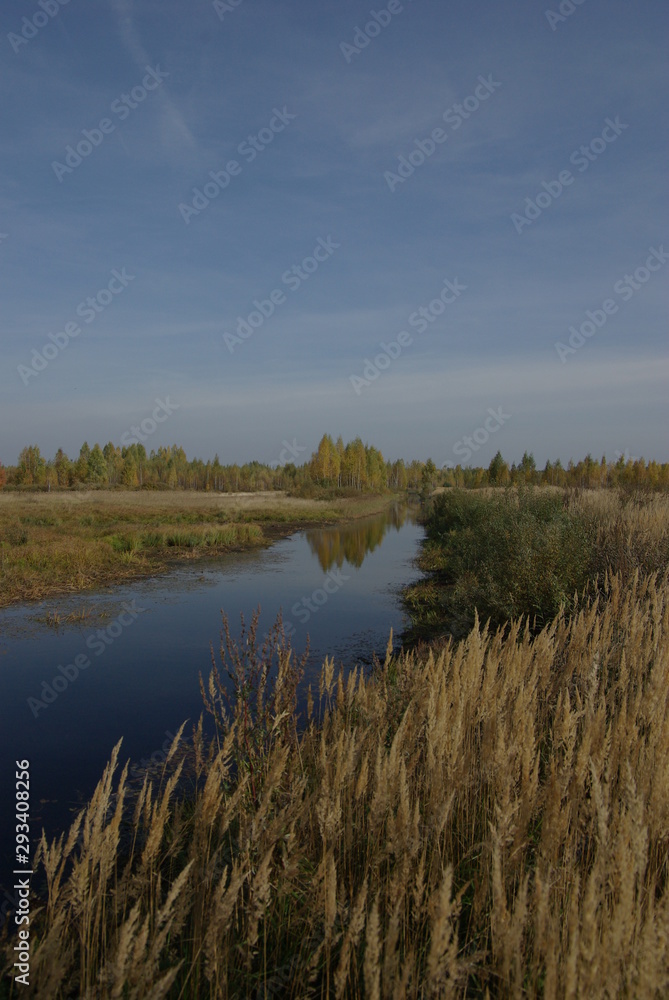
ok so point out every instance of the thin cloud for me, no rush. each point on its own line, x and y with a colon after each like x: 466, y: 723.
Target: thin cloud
x: 173, y: 125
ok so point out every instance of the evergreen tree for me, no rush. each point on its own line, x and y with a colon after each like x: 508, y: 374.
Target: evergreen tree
x: 528, y: 468
x: 498, y: 471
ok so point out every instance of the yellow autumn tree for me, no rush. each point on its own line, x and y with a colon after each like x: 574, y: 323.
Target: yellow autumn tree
x: 325, y: 463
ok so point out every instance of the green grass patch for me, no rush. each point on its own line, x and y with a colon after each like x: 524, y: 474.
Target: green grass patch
x: 124, y: 543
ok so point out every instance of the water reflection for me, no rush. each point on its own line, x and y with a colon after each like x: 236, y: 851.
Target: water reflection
x: 352, y: 542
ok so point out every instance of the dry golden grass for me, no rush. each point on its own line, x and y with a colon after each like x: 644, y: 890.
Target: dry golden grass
x: 632, y: 529
x: 491, y: 820
x: 276, y: 501
x: 69, y: 542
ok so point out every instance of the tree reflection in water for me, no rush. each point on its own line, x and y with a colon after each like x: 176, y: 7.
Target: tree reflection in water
x: 352, y: 542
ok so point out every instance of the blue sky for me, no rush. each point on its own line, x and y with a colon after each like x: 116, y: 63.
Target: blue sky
x: 332, y: 125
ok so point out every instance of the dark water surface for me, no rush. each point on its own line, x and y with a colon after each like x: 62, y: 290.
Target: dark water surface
x: 340, y: 585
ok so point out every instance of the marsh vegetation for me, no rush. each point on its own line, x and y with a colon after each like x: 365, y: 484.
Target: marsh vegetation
x: 67, y: 542
x: 526, y: 551
x: 484, y: 817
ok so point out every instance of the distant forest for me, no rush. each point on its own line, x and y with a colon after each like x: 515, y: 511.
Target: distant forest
x: 334, y: 466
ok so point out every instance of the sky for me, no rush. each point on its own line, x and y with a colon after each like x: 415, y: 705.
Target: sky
x: 231, y: 215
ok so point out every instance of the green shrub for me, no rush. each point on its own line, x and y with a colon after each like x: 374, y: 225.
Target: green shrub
x: 508, y: 554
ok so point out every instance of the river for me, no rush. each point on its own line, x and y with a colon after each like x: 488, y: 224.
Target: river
x: 132, y: 669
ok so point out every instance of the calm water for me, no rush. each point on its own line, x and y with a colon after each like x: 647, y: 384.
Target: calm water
x: 339, y: 585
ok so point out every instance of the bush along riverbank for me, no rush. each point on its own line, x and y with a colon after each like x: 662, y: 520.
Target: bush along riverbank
x: 504, y: 553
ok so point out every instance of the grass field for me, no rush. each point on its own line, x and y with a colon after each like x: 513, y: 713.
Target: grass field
x: 67, y: 542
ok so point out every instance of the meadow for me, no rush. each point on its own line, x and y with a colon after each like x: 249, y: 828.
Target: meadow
x: 484, y: 817
x: 71, y: 541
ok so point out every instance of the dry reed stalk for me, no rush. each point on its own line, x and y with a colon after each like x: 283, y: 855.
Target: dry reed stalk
x: 260, y: 891
x: 158, y: 818
x: 214, y: 943
x: 442, y: 965
x: 350, y: 942
x: 372, y: 966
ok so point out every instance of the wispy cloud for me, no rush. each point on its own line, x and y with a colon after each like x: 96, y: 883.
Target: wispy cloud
x: 175, y: 131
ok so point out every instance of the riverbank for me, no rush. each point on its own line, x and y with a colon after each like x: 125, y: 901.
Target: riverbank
x: 52, y: 544
x: 505, y: 553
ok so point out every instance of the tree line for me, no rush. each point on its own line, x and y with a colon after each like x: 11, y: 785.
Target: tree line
x: 355, y: 467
